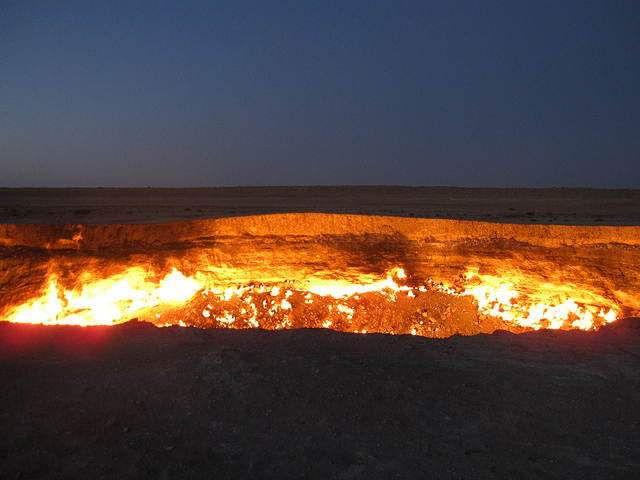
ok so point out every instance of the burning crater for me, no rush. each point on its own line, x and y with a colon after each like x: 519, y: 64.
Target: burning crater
x: 351, y: 273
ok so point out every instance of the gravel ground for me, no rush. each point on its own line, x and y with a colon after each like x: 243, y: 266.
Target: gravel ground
x: 136, y: 401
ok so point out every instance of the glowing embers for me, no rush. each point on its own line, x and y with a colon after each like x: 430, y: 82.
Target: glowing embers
x: 394, y: 304
x: 106, y: 301
x: 501, y: 300
x: 377, y: 307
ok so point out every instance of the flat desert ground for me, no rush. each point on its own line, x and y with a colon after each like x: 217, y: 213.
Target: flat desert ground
x: 136, y: 401
x: 562, y: 206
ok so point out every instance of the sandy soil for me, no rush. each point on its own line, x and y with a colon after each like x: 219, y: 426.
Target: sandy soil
x: 562, y: 206
x: 135, y: 401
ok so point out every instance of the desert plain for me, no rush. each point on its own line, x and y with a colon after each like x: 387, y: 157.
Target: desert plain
x: 136, y: 401
x: 561, y: 206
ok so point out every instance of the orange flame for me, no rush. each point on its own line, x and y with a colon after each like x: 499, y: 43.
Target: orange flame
x: 500, y: 299
x: 135, y: 293
x: 104, y: 302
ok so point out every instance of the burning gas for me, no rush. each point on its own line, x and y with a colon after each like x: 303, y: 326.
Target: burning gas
x: 394, y: 304
x: 351, y: 273
x: 104, y: 302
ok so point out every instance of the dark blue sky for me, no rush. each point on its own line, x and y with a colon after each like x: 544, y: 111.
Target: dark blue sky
x: 471, y: 93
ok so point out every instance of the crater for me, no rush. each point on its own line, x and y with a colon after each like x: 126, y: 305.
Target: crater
x: 356, y: 273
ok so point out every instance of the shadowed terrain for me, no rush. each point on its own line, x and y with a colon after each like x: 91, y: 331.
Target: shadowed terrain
x: 560, y: 206
x: 134, y: 401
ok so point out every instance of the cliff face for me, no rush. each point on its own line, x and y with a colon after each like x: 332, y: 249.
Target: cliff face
x: 592, y: 265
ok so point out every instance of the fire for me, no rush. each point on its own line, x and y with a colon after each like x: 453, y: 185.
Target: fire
x: 104, y: 302
x: 338, y: 289
x: 502, y: 302
x: 500, y: 299
x: 176, y: 299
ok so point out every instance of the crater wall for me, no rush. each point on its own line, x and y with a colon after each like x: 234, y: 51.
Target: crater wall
x: 590, y: 264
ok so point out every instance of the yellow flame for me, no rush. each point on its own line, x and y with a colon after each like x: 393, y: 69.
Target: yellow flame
x: 342, y: 289
x: 121, y: 297
x: 175, y: 287
x: 104, y: 302
x: 501, y: 300
x: 42, y: 310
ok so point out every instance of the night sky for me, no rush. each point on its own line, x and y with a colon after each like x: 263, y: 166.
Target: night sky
x: 230, y: 93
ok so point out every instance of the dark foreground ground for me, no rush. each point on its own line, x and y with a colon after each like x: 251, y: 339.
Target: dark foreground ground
x: 135, y: 401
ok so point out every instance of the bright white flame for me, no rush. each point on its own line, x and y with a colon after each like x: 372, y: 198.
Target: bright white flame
x: 177, y: 288
x: 44, y: 310
x: 109, y: 301
x: 104, y: 302
x: 341, y: 289
x: 502, y: 301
